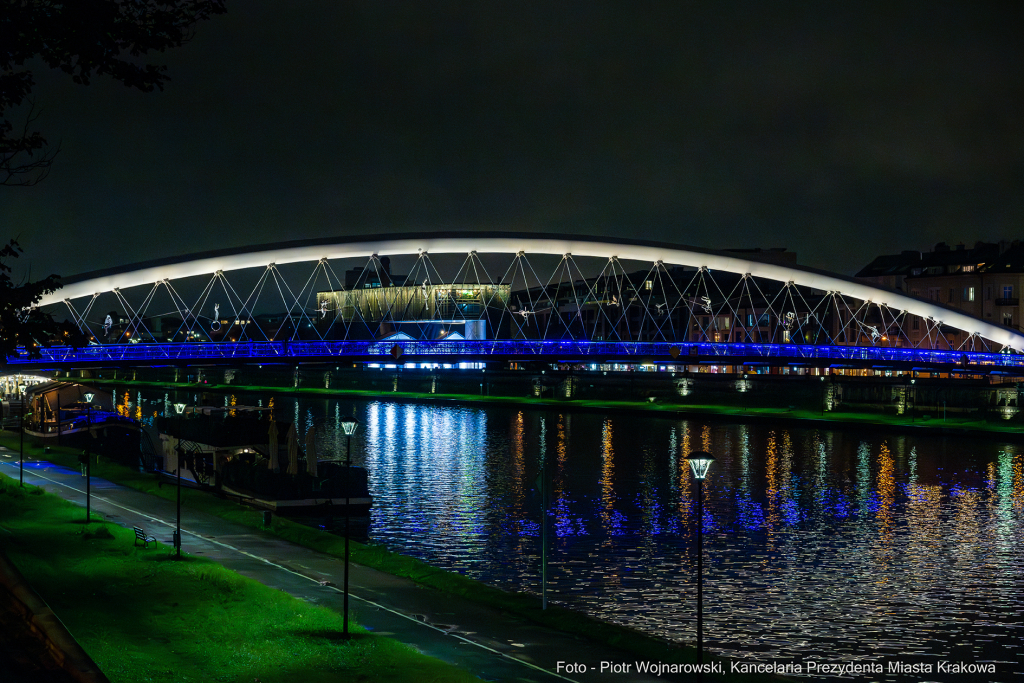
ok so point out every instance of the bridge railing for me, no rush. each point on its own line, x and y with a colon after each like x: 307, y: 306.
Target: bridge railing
x: 680, y: 353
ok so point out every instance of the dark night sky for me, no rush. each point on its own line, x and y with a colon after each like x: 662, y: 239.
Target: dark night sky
x: 838, y: 130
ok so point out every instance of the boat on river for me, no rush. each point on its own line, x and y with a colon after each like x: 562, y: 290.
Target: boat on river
x: 237, y: 452
x: 74, y: 414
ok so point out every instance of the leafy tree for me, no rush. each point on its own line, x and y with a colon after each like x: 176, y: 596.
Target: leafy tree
x: 82, y: 38
x: 21, y: 323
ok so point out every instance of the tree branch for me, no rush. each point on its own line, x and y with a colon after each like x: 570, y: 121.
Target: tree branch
x: 15, y: 168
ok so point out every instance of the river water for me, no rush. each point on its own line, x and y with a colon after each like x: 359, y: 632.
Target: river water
x: 832, y: 545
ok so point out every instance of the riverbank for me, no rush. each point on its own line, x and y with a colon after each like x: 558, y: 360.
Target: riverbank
x: 142, y: 616
x: 314, y: 576
x: 523, y: 605
x: 911, y: 422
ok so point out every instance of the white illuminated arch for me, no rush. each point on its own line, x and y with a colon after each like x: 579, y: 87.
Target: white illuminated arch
x: 465, y: 243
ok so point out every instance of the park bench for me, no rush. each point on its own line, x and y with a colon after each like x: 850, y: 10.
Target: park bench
x: 140, y: 535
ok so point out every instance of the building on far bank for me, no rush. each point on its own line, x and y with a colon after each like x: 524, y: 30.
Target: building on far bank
x: 984, y: 281
x: 890, y: 270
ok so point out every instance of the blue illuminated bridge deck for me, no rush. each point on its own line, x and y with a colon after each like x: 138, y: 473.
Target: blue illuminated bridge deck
x: 661, y: 353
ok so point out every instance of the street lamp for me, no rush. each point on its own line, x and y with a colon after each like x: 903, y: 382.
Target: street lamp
x: 909, y: 392
x: 700, y: 462
x: 87, y: 456
x: 824, y: 389
x: 348, y: 425
x: 21, y: 448
x: 179, y: 408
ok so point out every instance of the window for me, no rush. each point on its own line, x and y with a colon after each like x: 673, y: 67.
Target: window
x: 785, y: 337
x: 1008, y: 319
x: 915, y: 323
x: 969, y: 268
x: 648, y: 285
x: 750, y: 319
x: 933, y: 293
x: 988, y: 293
x: 949, y: 297
x: 1007, y: 291
x: 968, y: 293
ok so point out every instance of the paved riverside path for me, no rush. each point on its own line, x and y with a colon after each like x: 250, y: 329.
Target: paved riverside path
x: 487, y: 642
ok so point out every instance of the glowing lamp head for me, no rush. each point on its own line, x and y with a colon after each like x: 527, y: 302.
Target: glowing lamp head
x: 700, y: 463
x: 88, y: 397
x: 348, y: 425
x: 179, y: 408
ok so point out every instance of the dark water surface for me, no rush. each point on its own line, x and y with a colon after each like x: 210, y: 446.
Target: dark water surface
x: 834, y: 545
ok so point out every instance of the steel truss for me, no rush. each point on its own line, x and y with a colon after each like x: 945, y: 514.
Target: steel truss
x: 511, y: 298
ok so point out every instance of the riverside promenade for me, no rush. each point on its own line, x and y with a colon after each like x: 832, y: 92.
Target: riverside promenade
x: 489, y: 643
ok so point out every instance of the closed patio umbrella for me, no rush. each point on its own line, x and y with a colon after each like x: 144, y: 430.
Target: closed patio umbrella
x: 311, y: 452
x: 273, y: 464
x: 293, y: 451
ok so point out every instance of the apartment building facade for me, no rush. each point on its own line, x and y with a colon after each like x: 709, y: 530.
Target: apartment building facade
x: 984, y: 281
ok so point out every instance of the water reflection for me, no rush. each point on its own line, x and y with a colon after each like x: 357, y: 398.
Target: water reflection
x: 886, y: 493
x: 611, y: 521
x: 817, y: 542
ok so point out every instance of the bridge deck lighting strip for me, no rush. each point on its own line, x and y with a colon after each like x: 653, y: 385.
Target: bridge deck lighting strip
x: 655, y: 352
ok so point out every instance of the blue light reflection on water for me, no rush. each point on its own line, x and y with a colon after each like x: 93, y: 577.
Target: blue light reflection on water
x: 818, y: 542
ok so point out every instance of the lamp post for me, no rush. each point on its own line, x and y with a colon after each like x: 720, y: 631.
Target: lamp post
x: 700, y: 462
x: 88, y: 464
x: 348, y: 425
x: 824, y: 391
x: 179, y: 408
x: 21, y: 447
x: 913, y: 412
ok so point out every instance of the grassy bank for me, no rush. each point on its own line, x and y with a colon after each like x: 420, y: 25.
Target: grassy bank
x: 524, y: 605
x: 775, y: 415
x: 144, y: 616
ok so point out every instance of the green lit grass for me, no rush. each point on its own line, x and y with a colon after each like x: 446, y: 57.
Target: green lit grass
x: 378, y: 557
x: 374, y: 556
x: 144, y: 616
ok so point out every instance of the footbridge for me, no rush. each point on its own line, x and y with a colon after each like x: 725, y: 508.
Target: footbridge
x: 454, y: 297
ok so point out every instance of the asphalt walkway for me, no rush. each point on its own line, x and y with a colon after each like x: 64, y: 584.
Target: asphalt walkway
x: 492, y: 644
